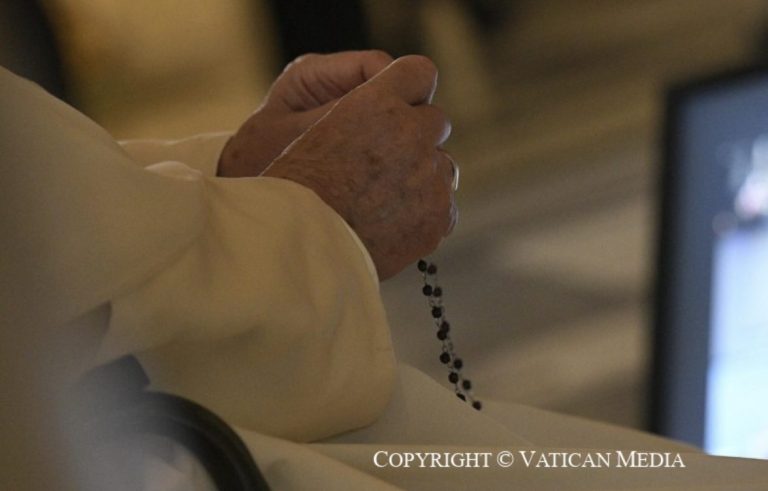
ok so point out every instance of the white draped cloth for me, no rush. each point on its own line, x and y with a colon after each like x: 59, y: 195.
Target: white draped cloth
x: 253, y: 298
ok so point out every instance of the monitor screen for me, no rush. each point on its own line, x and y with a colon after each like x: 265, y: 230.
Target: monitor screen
x: 711, y: 333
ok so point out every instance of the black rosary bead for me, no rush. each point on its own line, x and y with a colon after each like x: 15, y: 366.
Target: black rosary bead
x: 437, y: 292
x: 431, y: 269
x: 477, y: 405
x: 427, y: 290
x: 457, y: 363
x: 445, y: 326
x: 466, y: 384
x: 441, y: 335
x: 461, y: 396
x: 445, y: 358
x: 453, y: 377
x: 422, y: 265
x: 437, y: 312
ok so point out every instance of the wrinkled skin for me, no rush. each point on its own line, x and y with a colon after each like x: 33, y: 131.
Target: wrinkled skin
x: 366, y: 143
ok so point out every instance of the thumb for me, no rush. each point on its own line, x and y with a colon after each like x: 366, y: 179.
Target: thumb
x: 313, y: 80
x: 412, y: 78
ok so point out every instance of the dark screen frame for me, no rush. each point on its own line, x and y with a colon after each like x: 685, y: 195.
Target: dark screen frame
x: 684, y: 255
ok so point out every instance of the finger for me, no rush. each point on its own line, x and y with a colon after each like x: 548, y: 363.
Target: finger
x: 437, y: 126
x: 436, y: 204
x: 313, y: 79
x: 446, y: 167
x: 453, y: 212
x: 412, y: 78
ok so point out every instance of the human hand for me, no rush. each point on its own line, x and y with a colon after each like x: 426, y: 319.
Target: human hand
x: 302, y: 94
x: 375, y: 159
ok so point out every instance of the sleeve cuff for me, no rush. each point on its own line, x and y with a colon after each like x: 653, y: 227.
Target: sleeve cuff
x: 200, y: 152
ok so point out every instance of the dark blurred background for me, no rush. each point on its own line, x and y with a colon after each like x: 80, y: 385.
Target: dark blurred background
x: 556, y: 108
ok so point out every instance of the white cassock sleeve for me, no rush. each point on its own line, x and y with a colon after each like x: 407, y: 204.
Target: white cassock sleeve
x: 249, y: 296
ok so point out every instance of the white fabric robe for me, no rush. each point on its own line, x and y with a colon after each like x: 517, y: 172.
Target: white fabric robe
x: 253, y: 298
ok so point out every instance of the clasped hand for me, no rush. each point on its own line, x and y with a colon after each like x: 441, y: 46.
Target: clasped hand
x: 359, y: 130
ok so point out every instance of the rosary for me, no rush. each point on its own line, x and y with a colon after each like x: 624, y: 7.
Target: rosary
x: 434, y: 293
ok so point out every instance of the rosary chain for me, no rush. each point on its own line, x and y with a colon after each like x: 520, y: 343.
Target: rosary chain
x: 434, y: 293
